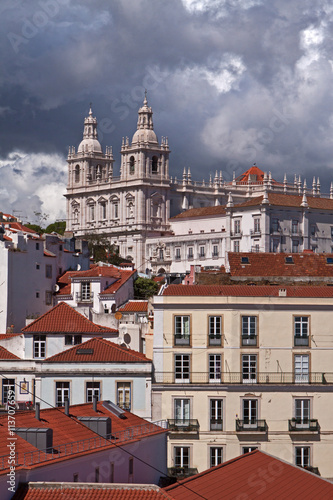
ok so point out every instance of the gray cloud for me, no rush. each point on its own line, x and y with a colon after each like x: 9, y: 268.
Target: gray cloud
x: 229, y: 82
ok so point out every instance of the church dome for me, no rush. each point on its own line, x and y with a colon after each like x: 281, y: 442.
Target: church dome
x: 145, y: 128
x: 90, y: 142
x: 144, y: 135
x: 87, y: 145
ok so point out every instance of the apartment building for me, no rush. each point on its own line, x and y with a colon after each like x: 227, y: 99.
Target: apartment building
x: 241, y: 367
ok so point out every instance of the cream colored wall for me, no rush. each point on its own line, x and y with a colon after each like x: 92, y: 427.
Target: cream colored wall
x: 275, y: 352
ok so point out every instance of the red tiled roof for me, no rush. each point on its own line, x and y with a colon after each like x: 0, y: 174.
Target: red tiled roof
x: 7, y: 238
x: 4, y: 354
x: 247, y: 291
x: 120, y: 276
x: 64, y: 319
x: 89, y: 491
x: 201, y: 212
x: 256, y: 174
x: 48, y: 253
x: 67, y: 429
x: 289, y: 200
x: 270, y: 264
x: 19, y: 227
x: 255, y: 475
x: 125, y: 276
x: 99, y: 351
x: 135, y: 306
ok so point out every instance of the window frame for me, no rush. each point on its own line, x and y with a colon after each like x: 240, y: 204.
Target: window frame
x: 215, y: 368
x: 182, y: 369
x: 90, y: 392
x: 39, y: 342
x: 251, y: 421
x: 301, y: 335
x: 216, y: 415
x: 302, y: 377
x: 181, y: 337
x: 303, y: 447
x: 215, y: 459
x: 181, y: 464
x: 247, y: 338
x: 215, y: 338
x: 126, y: 387
x: 59, y: 390
x: 7, y: 385
x: 253, y: 375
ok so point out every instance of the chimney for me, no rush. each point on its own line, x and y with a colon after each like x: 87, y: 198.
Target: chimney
x: 37, y: 412
x: 95, y: 403
x: 282, y: 292
x: 67, y: 407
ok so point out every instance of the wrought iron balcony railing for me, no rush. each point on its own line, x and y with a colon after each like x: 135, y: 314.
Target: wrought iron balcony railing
x: 181, y: 472
x: 249, y: 339
x: 182, y: 339
x: 216, y: 424
x: 183, y: 425
x: 302, y: 340
x: 318, y: 378
x: 251, y: 425
x: 215, y: 339
x: 303, y: 424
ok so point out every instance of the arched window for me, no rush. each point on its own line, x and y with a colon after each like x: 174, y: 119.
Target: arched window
x: 77, y: 173
x: 154, y: 165
x: 132, y: 165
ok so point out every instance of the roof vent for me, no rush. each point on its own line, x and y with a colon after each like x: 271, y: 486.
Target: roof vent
x: 114, y: 409
x: 329, y: 260
x: 244, y: 260
x: 282, y: 292
x: 85, y: 351
x: 289, y: 259
x: 40, y: 438
x: 100, y: 425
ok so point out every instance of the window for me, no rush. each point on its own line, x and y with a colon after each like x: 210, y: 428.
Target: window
x: 37, y: 246
x: 77, y: 339
x: 97, y: 475
x: 182, y: 330
x: 249, y: 368
x: 154, y: 165
x: 48, y: 271
x: 215, y: 368
x: 250, y: 412
x: 249, y: 330
x: 295, y: 246
x: 275, y: 225
x: 302, y: 456
x: 301, y: 330
x: 177, y: 254
x: 248, y: 449
x: 182, y: 411
x: 37, y: 295
x: 215, y: 251
x: 37, y: 266
x: 275, y: 246
x: 85, y: 290
x: 39, y: 346
x: 201, y: 252
x: 215, y: 330
x: 92, y: 212
x: 182, y: 368
x: 161, y: 254
x: 93, y: 389
x: 103, y: 210
x: 237, y: 226
x: 115, y: 210
x: 216, y: 414
x: 182, y: 456
x: 313, y: 230
x: 302, y: 413
x: 132, y: 165
x: 8, y: 384
x: 216, y: 456
x: 75, y: 478
x: 48, y: 297
x: 294, y: 226
x: 130, y: 466
x: 190, y: 253
x: 73, y: 339
x: 236, y: 246
x: 77, y: 173
x: 301, y: 366
x: 256, y: 223
x: 124, y: 395
x: 62, y: 393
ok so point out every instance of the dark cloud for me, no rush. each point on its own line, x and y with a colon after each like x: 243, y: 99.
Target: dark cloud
x: 230, y: 82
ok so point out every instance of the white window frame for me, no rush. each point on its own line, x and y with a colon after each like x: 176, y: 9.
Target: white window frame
x: 124, y: 395
x: 250, y: 412
x: 182, y: 368
x: 249, y: 368
x: 216, y: 414
x: 215, y: 367
x: 182, y: 457
x: 182, y: 329
x: 62, y: 392
x: 249, y: 330
x: 93, y: 389
x: 39, y: 346
x: 301, y: 330
x: 303, y: 456
x: 301, y: 368
x: 215, y: 455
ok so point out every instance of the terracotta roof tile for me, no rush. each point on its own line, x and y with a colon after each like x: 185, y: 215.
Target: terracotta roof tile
x: 64, y: 319
x: 84, y: 491
x: 201, y: 212
x: 257, y: 175
x: 243, y: 476
x: 247, y: 291
x: 135, y: 306
x: 114, y: 287
x: 270, y: 264
x: 289, y: 200
x: 4, y: 354
x: 98, y: 351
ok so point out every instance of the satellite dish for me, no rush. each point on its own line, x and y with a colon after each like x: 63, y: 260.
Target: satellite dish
x: 56, y: 288
x: 78, y: 267
x: 118, y: 315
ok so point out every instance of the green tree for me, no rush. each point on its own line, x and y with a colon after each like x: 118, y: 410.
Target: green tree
x: 145, y: 288
x: 56, y: 227
x: 102, y: 250
x: 35, y: 227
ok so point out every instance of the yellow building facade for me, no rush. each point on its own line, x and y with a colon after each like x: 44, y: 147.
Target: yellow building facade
x: 244, y: 367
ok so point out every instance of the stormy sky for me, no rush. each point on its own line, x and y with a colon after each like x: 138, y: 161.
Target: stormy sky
x: 230, y: 83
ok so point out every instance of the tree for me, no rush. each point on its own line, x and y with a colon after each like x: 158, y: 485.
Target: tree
x: 102, y: 250
x: 35, y: 227
x: 145, y: 288
x: 56, y: 227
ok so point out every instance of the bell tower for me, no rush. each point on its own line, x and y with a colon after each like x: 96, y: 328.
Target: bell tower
x: 145, y: 157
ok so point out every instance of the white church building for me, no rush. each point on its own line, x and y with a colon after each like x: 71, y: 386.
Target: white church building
x: 134, y: 209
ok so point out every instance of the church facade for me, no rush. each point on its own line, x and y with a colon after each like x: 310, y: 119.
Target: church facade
x: 135, y: 207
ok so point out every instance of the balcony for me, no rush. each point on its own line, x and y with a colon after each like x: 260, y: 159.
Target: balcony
x: 255, y: 233
x: 261, y: 378
x: 181, y: 339
x: 181, y: 472
x: 303, y: 425
x: 216, y: 424
x: 301, y: 340
x: 236, y: 234
x: 215, y: 255
x: 186, y: 426
x: 250, y: 426
x: 249, y: 340
x: 84, y: 297
x: 215, y: 339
